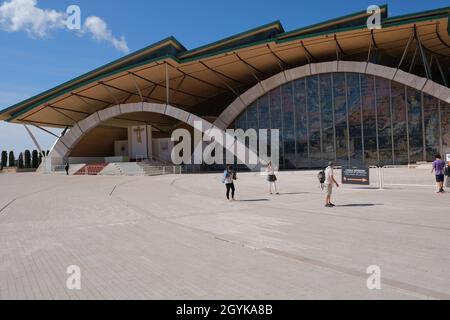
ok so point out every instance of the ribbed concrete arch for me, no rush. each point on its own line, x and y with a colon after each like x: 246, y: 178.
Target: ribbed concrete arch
x: 263, y: 87
x: 66, y: 143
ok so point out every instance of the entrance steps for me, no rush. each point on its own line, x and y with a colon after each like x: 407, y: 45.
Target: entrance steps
x: 122, y: 169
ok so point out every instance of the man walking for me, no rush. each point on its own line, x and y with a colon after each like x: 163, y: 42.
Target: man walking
x: 329, y: 182
x: 438, y: 169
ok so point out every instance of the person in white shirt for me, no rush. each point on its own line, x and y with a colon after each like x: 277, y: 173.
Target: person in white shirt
x: 271, y: 178
x: 329, y: 182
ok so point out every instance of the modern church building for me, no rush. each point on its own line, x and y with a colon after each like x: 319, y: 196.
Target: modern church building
x: 339, y: 90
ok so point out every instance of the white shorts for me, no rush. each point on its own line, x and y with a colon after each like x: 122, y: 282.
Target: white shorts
x: 329, y: 189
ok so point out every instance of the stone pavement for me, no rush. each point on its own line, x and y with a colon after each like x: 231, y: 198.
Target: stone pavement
x: 177, y: 237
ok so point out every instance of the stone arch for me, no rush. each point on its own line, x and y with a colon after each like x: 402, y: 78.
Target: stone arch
x: 263, y: 87
x: 66, y: 143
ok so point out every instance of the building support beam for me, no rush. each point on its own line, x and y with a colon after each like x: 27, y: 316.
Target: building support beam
x: 220, y: 89
x: 441, y: 72
x: 339, y: 50
x: 221, y: 74
x: 136, y: 85
x: 221, y: 80
x: 34, y: 140
x: 405, y: 52
x: 108, y: 89
x: 163, y: 86
x: 82, y: 97
x: 422, y: 54
x: 252, y: 68
x: 62, y: 113
x: 167, y: 84
x: 283, y: 65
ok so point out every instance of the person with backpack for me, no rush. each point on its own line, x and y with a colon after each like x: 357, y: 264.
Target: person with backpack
x: 229, y: 175
x: 271, y: 178
x: 438, y: 169
x: 329, y: 182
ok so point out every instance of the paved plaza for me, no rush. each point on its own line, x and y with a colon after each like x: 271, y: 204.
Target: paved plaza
x: 177, y: 237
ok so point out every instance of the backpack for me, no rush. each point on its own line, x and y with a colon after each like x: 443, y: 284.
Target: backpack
x: 321, y: 176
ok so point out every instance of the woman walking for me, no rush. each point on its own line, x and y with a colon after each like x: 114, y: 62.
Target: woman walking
x: 271, y: 178
x: 229, y: 176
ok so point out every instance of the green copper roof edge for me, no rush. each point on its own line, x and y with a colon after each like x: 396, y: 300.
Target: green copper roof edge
x: 276, y: 23
x: 316, y: 25
x: 386, y: 24
x: 421, y: 13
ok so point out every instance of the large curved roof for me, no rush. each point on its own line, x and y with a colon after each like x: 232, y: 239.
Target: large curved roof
x: 206, y: 79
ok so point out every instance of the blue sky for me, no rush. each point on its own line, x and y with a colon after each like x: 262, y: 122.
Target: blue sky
x: 33, y: 59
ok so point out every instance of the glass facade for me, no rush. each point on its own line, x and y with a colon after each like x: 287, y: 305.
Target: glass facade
x: 352, y: 119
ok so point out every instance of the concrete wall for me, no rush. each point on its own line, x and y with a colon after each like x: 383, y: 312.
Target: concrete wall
x: 99, y: 142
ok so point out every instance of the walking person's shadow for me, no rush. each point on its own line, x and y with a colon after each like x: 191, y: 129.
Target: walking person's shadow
x: 360, y: 205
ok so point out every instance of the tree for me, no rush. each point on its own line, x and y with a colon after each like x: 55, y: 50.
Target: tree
x: 34, y: 159
x: 12, y: 159
x: 4, y: 159
x: 40, y: 158
x: 20, y: 161
x: 27, y: 159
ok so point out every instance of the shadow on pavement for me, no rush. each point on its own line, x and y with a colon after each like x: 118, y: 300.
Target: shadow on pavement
x: 360, y: 205
x: 252, y: 200
x: 288, y: 193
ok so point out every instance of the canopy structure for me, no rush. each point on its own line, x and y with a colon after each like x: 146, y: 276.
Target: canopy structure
x: 205, y: 80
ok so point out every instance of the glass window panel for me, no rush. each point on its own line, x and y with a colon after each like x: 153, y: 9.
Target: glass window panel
x: 326, y: 106
x: 340, y: 115
x: 315, y: 152
x: 241, y: 121
x: 263, y: 112
x: 445, y: 119
x: 354, y: 118
x: 431, y: 121
x: 384, y: 120
x: 399, y: 123
x: 415, y: 124
x: 301, y: 123
x: 369, y: 119
x: 275, y: 117
x: 288, y: 125
x: 252, y: 116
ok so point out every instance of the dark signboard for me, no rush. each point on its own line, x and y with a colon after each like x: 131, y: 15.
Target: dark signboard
x: 355, y: 175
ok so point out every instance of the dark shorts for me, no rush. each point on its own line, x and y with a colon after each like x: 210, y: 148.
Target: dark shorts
x: 439, y: 178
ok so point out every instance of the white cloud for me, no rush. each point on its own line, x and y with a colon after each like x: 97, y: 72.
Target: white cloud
x: 98, y: 29
x: 26, y: 16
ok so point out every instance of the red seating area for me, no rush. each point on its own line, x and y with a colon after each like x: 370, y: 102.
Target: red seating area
x: 91, y: 169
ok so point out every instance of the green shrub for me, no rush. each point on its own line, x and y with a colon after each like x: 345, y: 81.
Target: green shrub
x: 27, y: 159
x: 34, y: 159
x: 4, y: 162
x: 12, y: 159
x: 20, y: 161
